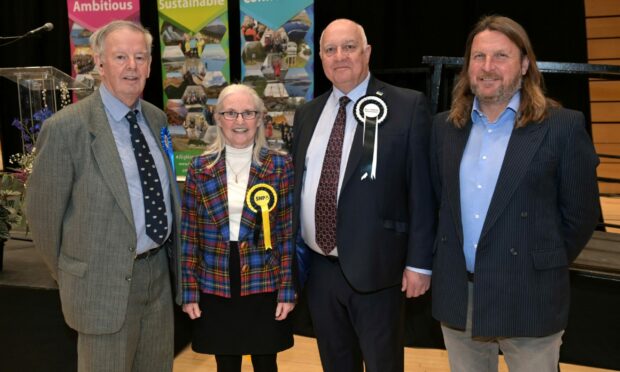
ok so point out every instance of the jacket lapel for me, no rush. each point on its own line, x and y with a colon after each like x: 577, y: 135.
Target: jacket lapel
x: 355, y: 154
x: 305, y: 135
x: 454, y: 147
x: 523, y: 144
x: 152, y: 121
x: 106, y: 155
x: 214, y: 195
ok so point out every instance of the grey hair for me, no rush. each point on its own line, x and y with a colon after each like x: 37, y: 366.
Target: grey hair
x: 359, y: 28
x: 97, y: 39
x: 219, y: 144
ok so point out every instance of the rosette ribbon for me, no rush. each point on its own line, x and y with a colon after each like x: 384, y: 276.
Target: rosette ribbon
x: 370, y: 111
x: 262, y: 197
x: 166, y: 143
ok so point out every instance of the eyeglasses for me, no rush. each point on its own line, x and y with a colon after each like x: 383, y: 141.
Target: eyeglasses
x: 232, y: 115
x: 348, y: 48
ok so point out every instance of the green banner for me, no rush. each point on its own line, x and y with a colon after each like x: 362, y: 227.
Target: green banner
x: 195, y: 68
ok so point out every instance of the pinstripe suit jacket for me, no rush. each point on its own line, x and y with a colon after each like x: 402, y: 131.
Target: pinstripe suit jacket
x: 542, y: 213
x: 205, y: 231
x: 79, y: 211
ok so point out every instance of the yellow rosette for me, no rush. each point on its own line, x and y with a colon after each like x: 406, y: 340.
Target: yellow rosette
x: 263, y: 197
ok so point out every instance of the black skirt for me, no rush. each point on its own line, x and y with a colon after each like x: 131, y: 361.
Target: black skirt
x: 241, y: 324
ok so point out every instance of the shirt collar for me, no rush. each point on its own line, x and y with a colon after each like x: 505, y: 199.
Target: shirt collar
x: 513, y: 105
x: 355, y: 94
x: 115, y: 107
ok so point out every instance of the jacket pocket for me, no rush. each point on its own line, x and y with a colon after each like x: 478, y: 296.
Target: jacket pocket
x: 72, y: 266
x: 544, y: 260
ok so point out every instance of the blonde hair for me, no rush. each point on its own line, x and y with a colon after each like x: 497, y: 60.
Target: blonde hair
x: 219, y: 144
x: 534, y: 105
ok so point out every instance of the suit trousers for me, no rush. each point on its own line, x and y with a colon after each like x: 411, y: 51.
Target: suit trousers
x: 480, y: 354
x: 354, y: 329
x: 145, y: 342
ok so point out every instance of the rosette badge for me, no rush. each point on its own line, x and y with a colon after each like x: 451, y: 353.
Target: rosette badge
x: 262, y: 197
x: 166, y: 143
x: 370, y: 111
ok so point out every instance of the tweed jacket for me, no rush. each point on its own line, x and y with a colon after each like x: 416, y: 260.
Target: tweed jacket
x: 542, y: 213
x: 79, y: 210
x: 205, y: 231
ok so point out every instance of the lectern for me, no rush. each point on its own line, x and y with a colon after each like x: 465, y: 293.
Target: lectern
x: 41, y: 91
x: 44, y: 87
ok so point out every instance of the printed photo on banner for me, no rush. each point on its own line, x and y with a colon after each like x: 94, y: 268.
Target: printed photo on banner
x: 276, y: 62
x: 194, y: 73
x: 84, y: 19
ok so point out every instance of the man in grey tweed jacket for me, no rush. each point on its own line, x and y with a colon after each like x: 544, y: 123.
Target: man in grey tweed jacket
x: 516, y: 176
x: 86, y: 210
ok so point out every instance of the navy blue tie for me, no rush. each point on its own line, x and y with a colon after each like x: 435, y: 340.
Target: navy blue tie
x: 156, y: 220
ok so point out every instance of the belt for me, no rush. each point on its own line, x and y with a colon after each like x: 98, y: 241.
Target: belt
x: 470, y: 277
x: 149, y: 253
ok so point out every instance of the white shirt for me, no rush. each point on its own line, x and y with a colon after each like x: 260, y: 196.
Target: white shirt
x: 316, y: 154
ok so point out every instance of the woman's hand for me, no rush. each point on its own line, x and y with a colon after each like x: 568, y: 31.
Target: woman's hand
x: 283, y: 309
x: 192, y: 309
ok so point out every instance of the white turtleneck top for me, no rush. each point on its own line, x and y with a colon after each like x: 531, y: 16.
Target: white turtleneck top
x: 238, y: 162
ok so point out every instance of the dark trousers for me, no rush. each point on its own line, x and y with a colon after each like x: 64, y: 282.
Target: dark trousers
x: 354, y: 329
x: 232, y: 363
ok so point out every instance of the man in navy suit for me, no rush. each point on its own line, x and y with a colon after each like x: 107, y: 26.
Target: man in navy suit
x: 365, y: 207
x: 516, y: 176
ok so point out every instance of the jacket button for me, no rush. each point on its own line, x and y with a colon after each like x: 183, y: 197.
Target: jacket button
x: 128, y: 278
x: 513, y: 252
x: 444, y: 239
x: 245, y: 268
x: 132, y: 249
x: 523, y: 214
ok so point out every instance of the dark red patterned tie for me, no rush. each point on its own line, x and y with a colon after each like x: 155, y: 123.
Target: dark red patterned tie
x: 326, y: 203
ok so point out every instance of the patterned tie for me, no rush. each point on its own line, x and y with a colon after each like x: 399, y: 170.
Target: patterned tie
x: 326, y: 203
x: 155, y: 216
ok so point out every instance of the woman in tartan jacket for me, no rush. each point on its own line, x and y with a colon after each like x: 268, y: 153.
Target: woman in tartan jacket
x: 236, y: 268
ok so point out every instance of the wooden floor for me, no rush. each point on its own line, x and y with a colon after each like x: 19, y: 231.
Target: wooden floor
x: 304, y: 357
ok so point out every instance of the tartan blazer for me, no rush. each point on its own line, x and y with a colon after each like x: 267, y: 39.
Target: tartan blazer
x: 205, y: 231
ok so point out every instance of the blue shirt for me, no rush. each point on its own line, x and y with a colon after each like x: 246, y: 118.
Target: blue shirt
x: 115, y: 111
x: 480, y: 167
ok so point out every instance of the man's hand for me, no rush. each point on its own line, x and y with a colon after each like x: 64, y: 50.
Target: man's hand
x: 415, y: 284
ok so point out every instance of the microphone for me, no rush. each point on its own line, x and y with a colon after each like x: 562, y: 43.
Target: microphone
x: 46, y: 27
x: 12, y: 39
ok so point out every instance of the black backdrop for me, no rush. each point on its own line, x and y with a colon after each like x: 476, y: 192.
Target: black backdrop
x: 400, y: 32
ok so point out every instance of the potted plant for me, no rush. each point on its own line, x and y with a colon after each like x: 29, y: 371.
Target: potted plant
x: 10, y: 208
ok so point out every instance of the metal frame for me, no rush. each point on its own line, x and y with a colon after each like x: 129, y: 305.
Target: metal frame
x: 608, y: 72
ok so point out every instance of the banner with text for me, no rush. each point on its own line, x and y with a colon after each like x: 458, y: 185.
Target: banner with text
x: 195, y: 68
x: 86, y: 16
x: 277, y: 59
